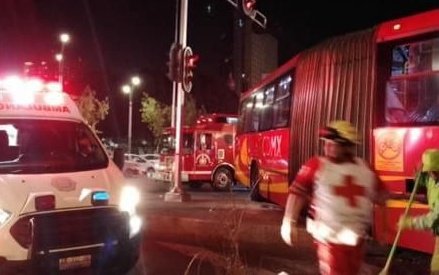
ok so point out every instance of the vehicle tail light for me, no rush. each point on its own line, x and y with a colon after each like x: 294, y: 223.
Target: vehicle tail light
x: 21, y: 231
x: 100, y: 198
x: 44, y: 203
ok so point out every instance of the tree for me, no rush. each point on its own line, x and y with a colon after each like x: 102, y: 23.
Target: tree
x: 91, y: 108
x: 157, y: 115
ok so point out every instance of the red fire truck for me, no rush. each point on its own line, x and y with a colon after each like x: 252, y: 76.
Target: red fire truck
x: 384, y: 79
x: 206, y: 154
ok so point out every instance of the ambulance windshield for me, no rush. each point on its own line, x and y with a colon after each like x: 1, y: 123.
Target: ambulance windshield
x: 47, y: 146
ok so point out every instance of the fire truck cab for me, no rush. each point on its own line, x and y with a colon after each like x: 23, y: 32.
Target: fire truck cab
x: 64, y: 204
x: 206, y: 153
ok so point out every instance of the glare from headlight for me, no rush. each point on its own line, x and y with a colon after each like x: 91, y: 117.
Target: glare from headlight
x: 129, y: 199
x: 4, y: 216
x: 135, y: 225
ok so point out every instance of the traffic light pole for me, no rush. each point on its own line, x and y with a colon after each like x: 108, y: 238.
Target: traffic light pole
x: 177, y: 193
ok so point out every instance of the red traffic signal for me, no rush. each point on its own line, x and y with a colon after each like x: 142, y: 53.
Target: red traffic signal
x: 190, y: 61
x: 248, y: 6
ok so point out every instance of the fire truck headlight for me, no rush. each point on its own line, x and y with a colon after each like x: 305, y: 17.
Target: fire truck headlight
x: 129, y: 199
x: 4, y: 216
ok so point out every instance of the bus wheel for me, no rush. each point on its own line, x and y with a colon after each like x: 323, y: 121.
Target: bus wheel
x: 222, y: 179
x: 255, y: 179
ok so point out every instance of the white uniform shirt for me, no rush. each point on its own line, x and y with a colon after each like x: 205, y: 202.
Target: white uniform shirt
x: 342, y: 198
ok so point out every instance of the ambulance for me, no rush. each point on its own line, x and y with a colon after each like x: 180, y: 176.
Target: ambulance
x: 64, y: 204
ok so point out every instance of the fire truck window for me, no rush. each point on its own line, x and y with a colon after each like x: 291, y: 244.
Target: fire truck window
x: 412, y: 92
x: 188, y: 143
x: 228, y: 139
x: 205, y: 141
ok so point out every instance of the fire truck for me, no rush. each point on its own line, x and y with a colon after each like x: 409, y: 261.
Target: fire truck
x: 206, y: 153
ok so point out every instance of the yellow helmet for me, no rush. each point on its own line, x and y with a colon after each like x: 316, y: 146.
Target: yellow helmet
x: 341, y: 131
x: 430, y: 160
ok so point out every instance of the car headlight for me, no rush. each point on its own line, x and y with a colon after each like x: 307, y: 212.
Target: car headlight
x: 4, y: 216
x: 129, y: 199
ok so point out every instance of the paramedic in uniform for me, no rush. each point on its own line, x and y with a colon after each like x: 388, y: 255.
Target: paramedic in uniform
x: 429, y: 178
x: 342, y: 189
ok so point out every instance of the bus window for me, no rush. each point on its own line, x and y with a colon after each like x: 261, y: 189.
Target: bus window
x: 256, y: 115
x: 247, y: 114
x: 412, y: 93
x: 281, y: 107
x: 267, y: 109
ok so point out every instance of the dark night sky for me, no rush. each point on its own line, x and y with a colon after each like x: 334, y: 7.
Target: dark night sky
x: 118, y: 38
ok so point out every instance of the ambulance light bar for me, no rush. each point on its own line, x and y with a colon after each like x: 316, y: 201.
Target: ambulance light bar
x: 23, y: 90
x: 17, y: 84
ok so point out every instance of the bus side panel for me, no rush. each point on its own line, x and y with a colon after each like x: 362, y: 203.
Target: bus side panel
x: 274, y: 165
x: 334, y: 80
x: 398, y: 152
x: 386, y: 219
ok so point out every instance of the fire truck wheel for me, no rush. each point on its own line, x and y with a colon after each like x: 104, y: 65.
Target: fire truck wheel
x: 222, y: 179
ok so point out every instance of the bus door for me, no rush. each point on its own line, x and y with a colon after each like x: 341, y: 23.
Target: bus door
x: 204, y: 153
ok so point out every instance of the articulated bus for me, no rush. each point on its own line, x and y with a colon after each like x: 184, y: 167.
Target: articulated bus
x: 383, y: 80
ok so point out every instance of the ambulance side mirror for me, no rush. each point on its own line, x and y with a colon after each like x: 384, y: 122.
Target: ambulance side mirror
x: 119, y: 157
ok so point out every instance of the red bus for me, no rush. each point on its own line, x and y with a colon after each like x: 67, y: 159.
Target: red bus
x: 206, y: 154
x: 382, y: 79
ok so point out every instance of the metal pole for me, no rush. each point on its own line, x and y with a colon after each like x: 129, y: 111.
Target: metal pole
x: 174, y: 89
x: 177, y: 193
x: 176, y: 39
x: 130, y: 120
x: 180, y: 101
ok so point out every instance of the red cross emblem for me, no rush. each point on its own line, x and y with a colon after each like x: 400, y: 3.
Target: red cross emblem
x: 350, y: 190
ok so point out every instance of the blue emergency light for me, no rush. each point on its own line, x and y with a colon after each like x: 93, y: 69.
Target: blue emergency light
x: 99, y: 198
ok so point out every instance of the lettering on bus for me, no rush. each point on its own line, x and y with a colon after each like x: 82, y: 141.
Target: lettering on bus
x: 33, y: 107
x: 271, y: 146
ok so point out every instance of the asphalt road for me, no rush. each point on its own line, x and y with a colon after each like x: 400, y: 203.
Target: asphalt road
x: 226, y: 233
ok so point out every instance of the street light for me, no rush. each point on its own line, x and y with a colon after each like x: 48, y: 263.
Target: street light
x: 64, y: 38
x: 129, y: 89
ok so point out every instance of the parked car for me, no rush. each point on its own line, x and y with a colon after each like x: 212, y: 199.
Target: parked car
x: 139, y: 165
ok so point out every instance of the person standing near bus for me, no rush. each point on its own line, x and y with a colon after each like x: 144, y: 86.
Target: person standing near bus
x: 430, y: 221
x: 342, y: 190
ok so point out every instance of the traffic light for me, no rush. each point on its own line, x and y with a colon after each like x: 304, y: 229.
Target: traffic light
x: 174, y: 63
x: 248, y: 7
x: 190, y: 61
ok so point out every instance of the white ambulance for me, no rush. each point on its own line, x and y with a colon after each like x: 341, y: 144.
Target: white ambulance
x: 64, y: 205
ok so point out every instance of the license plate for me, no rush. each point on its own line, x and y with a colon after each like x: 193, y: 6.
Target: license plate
x: 74, y: 262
